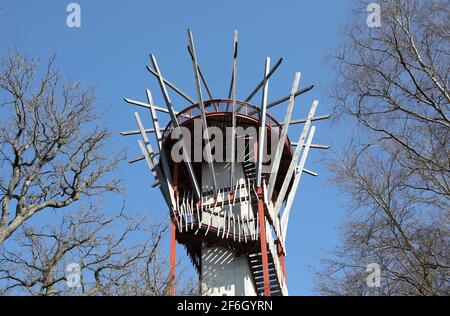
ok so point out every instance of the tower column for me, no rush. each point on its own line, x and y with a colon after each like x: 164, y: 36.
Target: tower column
x: 281, y: 255
x: 173, y: 239
x: 173, y: 257
x: 262, y: 233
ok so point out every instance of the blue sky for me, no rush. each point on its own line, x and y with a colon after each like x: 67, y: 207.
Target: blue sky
x: 111, y: 49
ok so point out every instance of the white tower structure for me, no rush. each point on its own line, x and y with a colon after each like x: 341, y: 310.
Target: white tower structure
x: 228, y: 173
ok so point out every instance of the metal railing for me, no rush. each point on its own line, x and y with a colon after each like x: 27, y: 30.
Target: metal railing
x: 225, y: 107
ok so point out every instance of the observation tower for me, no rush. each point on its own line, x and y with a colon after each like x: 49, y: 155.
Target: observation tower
x: 228, y: 173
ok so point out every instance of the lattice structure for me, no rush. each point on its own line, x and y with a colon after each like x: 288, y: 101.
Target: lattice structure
x: 230, y: 214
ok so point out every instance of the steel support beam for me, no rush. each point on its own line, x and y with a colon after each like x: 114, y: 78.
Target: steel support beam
x: 173, y: 257
x: 173, y: 238
x: 263, y: 242
x: 281, y: 255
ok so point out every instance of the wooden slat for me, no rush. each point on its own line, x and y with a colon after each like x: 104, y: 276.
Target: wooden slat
x: 170, y: 84
x: 145, y: 105
x: 262, y: 124
x: 186, y: 158
x: 136, y: 159
x: 162, y: 152
x: 153, y: 169
x: 233, y: 114
x: 137, y: 132
x: 316, y: 118
x: 282, y: 139
x: 287, y: 209
x: 235, y: 54
x: 281, y: 100
x: 165, y: 184
x: 272, y: 104
x: 316, y: 146
x: 206, y: 136
x: 293, y: 164
x: 310, y: 172
x: 208, y: 91
x: 261, y: 83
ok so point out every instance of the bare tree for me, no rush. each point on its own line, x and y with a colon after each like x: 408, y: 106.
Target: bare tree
x: 392, y: 85
x: 88, y: 253
x: 50, y: 142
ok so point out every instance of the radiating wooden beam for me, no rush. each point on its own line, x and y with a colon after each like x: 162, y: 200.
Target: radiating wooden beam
x: 136, y: 159
x: 281, y: 100
x: 310, y: 172
x: 164, y: 162
x: 233, y: 114
x: 235, y: 57
x: 137, y: 132
x: 187, y: 161
x: 283, y: 136
x: 272, y: 104
x: 261, y: 83
x: 145, y: 105
x: 262, y: 124
x: 206, y: 137
x: 153, y: 169
x: 165, y: 184
x: 317, y: 146
x: 201, y: 76
x: 316, y: 118
x: 287, y: 209
x: 171, y: 85
x: 296, y: 156
x: 155, y: 184
x: 155, y: 121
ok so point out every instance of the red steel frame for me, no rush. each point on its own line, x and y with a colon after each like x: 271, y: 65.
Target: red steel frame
x: 262, y: 233
x: 173, y: 239
x: 281, y: 256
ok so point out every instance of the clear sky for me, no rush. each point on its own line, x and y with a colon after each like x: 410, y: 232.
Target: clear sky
x: 111, y: 49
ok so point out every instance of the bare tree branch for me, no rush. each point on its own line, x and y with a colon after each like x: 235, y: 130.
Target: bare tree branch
x: 393, y: 87
x: 110, y: 260
x: 50, y: 142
